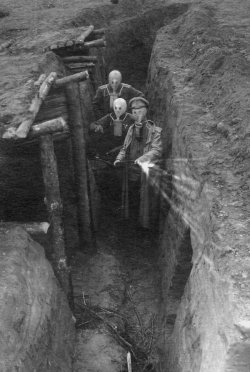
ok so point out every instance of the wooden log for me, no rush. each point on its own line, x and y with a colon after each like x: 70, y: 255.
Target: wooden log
x: 99, y: 43
x: 40, y: 80
x: 92, y: 59
x: 72, y: 78
x: 99, y: 31
x: 86, y: 98
x: 80, y: 65
x: 33, y: 228
x: 86, y: 33
x: 36, y: 103
x: 48, y: 127
x: 80, y: 165
x: 54, y: 208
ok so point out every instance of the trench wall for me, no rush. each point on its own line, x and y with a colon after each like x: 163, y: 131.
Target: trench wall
x: 36, y: 324
x: 205, y: 232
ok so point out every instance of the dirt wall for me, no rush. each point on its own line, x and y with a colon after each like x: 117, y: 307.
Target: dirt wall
x: 199, y: 85
x: 36, y: 324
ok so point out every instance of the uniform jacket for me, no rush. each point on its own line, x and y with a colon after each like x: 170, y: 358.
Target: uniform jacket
x: 152, y: 150
x: 106, y: 141
x: 101, y: 101
x: 150, y: 181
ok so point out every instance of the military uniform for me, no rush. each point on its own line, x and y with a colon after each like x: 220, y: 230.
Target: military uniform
x: 144, y: 188
x: 103, y: 100
x: 106, y: 141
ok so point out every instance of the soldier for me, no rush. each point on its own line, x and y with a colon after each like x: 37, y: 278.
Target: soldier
x: 106, y: 94
x: 108, y: 134
x: 143, y: 149
x: 111, y: 129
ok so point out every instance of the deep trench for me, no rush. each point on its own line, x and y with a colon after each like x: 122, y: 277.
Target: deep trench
x: 129, y: 50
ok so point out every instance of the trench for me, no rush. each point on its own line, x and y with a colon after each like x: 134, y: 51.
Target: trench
x: 117, y: 292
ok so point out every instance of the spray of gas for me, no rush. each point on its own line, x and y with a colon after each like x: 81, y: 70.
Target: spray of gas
x: 179, y: 191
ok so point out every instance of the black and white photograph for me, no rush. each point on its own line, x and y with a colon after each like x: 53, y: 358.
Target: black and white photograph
x: 124, y: 186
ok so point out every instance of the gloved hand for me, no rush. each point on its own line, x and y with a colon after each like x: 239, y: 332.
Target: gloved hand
x: 98, y: 128
x: 117, y: 163
x: 137, y: 162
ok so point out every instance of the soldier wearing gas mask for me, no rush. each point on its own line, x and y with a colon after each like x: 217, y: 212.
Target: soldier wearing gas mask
x: 105, y: 141
x: 109, y: 132
x: 106, y: 94
x: 142, y: 149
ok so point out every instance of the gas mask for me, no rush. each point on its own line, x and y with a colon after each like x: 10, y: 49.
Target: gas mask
x: 139, y: 117
x: 115, y: 79
x: 120, y: 107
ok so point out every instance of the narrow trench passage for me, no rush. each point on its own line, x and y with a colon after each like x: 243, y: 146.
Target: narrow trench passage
x: 117, y: 291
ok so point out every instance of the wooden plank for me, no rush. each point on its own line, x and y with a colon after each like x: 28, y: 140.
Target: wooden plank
x: 36, y: 103
x: 72, y: 78
x: 80, y: 165
x: 54, y: 208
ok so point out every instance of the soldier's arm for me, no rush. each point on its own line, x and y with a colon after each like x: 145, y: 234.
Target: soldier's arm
x: 100, y: 125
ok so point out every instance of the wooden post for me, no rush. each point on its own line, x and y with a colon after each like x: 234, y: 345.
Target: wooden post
x: 54, y: 207
x: 80, y: 165
x: 86, y: 97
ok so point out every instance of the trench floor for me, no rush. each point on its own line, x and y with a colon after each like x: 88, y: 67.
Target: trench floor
x: 117, y: 293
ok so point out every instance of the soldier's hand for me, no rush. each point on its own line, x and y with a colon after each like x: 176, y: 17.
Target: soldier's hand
x: 137, y: 161
x: 116, y: 163
x: 99, y: 128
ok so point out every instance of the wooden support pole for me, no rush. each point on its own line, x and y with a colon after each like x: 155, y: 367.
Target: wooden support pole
x: 80, y: 165
x: 36, y: 103
x: 72, y: 78
x: 86, y: 33
x: 33, y: 228
x: 69, y: 59
x: 48, y: 127
x: 54, y: 207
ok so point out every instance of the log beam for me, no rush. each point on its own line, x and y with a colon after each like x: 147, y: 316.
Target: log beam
x: 33, y: 228
x: 86, y: 33
x: 81, y: 65
x: 72, y: 78
x: 80, y: 165
x: 54, y: 208
x: 99, y: 43
x: 36, y: 103
x: 48, y: 127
